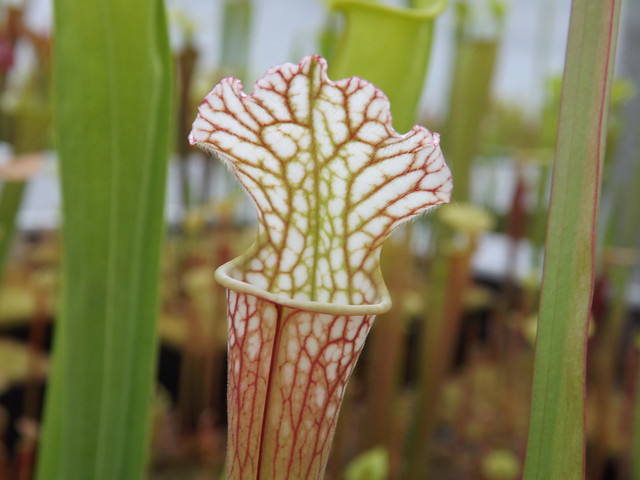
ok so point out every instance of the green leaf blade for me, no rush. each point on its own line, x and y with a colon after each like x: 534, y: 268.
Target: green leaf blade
x: 112, y: 122
x: 556, y: 434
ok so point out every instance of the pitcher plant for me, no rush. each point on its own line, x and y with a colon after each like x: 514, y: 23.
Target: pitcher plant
x: 331, y: 180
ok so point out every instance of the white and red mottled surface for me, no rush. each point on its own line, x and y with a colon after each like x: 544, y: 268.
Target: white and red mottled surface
x: 288, y: 370
x: 331, y: 180
x: 329, y: 176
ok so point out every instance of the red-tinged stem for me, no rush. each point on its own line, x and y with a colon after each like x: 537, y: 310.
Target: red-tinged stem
x: 288, y: 370
x: 383, y: 365
x: 440, y: 339
x: 556, y: 440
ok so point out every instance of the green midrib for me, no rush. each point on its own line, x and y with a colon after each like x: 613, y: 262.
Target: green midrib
x: 314, y: 217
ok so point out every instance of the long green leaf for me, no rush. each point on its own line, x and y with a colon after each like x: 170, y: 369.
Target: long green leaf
x: 27, y: 131
x: 112, y: 111
x: 557, y: 434
x: 470, y: 91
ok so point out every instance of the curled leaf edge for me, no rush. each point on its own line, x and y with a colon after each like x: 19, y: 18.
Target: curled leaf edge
x: 224, y: 277
x: 224, y: 273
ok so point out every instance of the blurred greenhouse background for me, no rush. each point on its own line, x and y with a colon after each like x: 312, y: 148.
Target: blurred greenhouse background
x: 493, y: 92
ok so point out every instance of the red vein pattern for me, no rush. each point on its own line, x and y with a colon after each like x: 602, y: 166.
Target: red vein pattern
x: 288, y: 370
x: 331, y: 180
x: 330, y: 177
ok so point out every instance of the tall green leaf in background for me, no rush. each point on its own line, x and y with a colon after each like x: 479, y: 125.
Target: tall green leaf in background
x: 556, y: 442
x: 112, y: 112
x: 473, y: 70
x: 27, y: 129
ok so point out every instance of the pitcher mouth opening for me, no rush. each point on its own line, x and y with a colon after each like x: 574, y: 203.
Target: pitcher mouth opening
x: 227, y: 276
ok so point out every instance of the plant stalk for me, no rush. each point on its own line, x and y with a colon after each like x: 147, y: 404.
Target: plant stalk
x: 556, y: 444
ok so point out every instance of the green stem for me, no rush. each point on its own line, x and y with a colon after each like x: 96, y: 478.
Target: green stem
x: 474, y: 65
x: 386, y: 347
x: 450, y: 280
